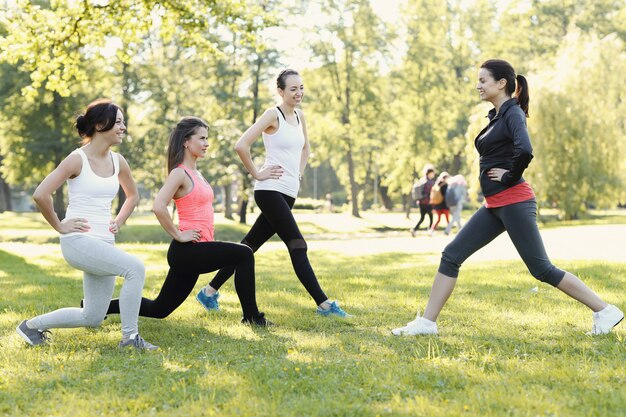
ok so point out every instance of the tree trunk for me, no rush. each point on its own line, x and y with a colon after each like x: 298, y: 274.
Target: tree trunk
x: 354, y: 187
x: 243, y: 210
x: 59, y: 202
x: 228, y: 209
x: 5, y: 196
x: 246, y: 183
x: 384, y: 197
x: 406, y: 204
x: 126, y: 87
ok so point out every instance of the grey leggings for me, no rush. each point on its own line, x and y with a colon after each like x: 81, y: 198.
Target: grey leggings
x: 520, y: 222
x: 100, y: 262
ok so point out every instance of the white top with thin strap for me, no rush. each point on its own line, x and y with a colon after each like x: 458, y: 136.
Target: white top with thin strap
x: 90, y: 197
x: 284, y: 148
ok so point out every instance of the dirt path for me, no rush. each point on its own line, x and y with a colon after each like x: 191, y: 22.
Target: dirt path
x: 605, y: 242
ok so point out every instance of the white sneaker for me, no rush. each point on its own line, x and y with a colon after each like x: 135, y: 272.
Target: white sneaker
x: 605, y: 320
x: 420, y: 325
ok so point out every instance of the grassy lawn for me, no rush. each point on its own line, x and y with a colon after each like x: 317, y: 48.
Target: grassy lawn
x: 503, y: 349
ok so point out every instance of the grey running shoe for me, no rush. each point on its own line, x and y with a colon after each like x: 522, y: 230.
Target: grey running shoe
x: 138, y: 343
x: 32, y: 336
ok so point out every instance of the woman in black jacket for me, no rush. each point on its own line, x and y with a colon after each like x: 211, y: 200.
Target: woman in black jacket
x: 505, y: 152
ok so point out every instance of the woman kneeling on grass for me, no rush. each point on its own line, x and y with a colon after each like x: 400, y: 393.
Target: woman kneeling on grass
x: 193, y: 250
x: 505, y: 152
x: 94, y: 174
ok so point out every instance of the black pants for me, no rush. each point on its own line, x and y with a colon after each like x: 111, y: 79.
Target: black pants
x: 520, y: 222
x: 187, y: 261
x: 276, y: 217
x: 424, y: 210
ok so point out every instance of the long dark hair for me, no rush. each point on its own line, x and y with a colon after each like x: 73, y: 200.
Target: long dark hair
x: 176, y: 146
x: 101, y: 112
x: 500, y: 69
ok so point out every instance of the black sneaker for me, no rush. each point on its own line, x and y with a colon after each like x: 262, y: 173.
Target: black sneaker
x: 258, y: 320
x: 33, y: 337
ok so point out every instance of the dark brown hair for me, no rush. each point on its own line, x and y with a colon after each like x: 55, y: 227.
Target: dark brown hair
x: 500, y: 69
x: 176, y: 146
x: 282, y: 77
x: 99, y: 116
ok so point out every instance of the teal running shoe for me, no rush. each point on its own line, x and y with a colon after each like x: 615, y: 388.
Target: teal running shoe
x: 208, y: 302
x: 334, y: 310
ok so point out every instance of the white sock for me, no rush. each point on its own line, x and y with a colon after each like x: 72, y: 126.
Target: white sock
x: 130, y: 336
x: 29, y: 326
x: 209, y: 291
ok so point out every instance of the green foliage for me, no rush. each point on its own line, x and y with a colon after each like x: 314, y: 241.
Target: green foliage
x: 578, y: 128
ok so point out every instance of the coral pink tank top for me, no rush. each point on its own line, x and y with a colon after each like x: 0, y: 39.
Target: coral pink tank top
x: 195, y: 209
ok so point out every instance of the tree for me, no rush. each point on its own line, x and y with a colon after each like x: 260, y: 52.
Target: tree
x: 580, y: 143
x: 349, y: 48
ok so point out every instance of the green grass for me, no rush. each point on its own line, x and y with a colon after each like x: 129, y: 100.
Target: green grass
x: 503, y: 350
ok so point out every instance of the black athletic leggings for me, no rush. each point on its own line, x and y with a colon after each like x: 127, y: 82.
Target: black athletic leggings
x: 187, y: 261
x: 276, y: 217
x: 424, y: 210
x: 520, y: 222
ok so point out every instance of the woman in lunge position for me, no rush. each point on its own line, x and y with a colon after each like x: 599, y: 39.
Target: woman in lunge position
x: 193, y: 250
x: 277, y: 183
x: 93, y: 174
x: 505, y: 152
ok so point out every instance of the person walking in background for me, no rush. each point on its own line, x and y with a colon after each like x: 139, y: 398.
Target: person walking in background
x: 455, y: 197
x: 93, y: 174
x: 421, y: 194
x: 438, y: 200
x: 505, y: 152
x: 193, y: 250
x: 287, y: 150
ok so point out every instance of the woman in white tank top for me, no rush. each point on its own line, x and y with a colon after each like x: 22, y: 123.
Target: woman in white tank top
x: 94, y: 174
x: 277, y: 183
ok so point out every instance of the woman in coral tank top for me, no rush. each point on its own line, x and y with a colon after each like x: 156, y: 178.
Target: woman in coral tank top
x: 193, y: 250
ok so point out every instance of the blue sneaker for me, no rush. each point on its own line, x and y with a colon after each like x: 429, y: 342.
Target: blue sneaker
x: 334, y: 310
x: 208, y: 302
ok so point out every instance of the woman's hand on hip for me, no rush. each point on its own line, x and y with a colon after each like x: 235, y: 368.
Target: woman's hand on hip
x: 189, y: 236
x: 273, y: 172
x: 114, y: 227
x: 77, y: 224
x: 495, y: 174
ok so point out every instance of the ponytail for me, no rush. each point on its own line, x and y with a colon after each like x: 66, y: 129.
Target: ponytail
x: 521, y: 93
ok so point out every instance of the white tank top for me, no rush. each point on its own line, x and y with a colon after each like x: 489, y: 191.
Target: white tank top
x: 284, y: 148
x: 90, y: 197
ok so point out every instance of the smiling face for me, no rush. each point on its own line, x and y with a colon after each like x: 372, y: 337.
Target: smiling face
x: 293, y: 92
x: 116, y: 134
x: 488, y: 88
x: 197, y: 144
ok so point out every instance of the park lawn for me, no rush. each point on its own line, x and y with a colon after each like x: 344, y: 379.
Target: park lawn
x: 503, y: 350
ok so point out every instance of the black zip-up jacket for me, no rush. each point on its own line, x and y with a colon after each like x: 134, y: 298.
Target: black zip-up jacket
x: 504, y: 143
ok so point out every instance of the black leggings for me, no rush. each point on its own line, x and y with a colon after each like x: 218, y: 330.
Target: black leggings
x: 276, y: 217
x: 187, y: 261
x: 424, y: 210
x: 520, y: 222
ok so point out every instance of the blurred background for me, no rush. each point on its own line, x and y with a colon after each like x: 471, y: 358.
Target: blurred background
x: 389, y: 87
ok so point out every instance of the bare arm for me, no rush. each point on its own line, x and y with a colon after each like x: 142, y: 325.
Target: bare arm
x: 132, y: 195
x: 247, y: 139
x: 306, y: 149
x: 174, y: 181
x: 69, y: 167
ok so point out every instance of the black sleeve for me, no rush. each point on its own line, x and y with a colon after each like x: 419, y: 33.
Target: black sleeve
x: 522, y: 149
